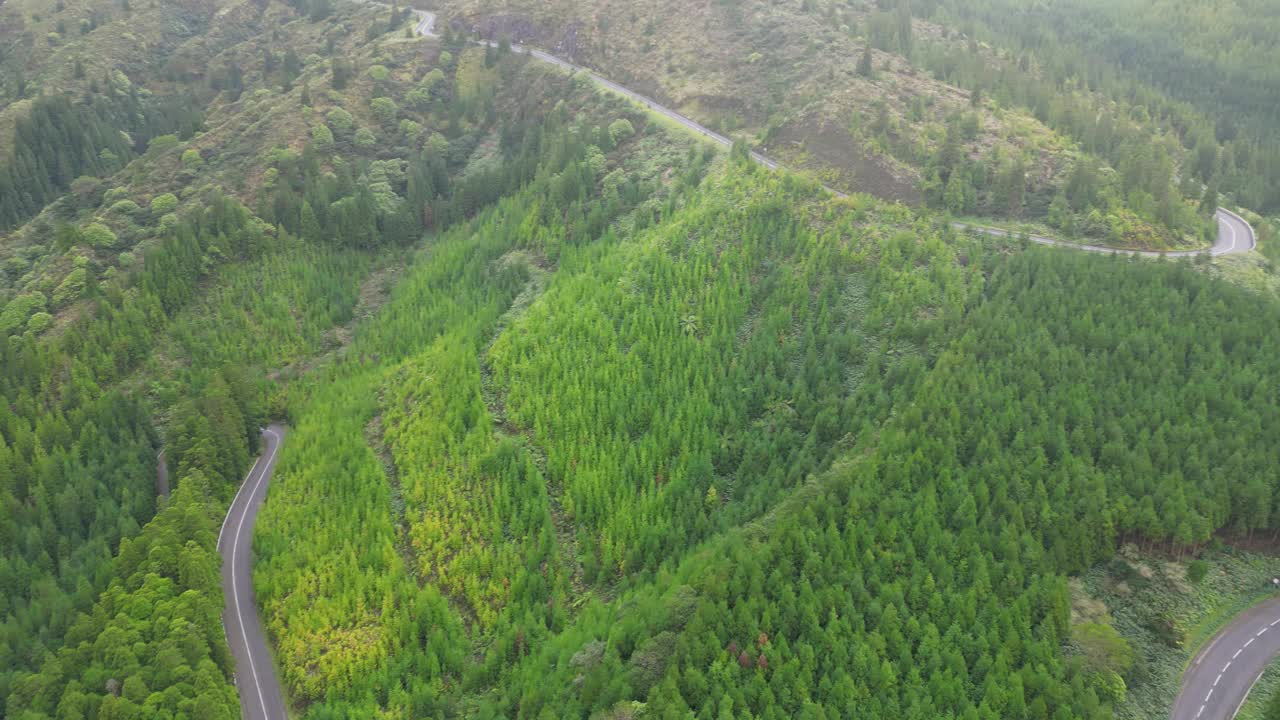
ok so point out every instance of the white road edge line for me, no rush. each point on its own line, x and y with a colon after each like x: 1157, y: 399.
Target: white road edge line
x: 1205, y: 652
x: 1208, y: 695
x: 1248, y: 642
x: 1246, y: 694
x: 235, y: 549
x: 1226, y: 667
x: 236, y: 499
x: 1260, y: 632
x: 1217, y: 679
x: 1233, y: 657
x: 1244, y: 224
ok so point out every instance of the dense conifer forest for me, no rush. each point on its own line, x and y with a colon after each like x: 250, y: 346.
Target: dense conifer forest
x: 1206, y: 72
x: 590, y: 418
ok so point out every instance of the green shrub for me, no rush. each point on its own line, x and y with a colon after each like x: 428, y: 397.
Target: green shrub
x: 431, y: 79
x: 410, y: 129
x: 126, y: 207
x: 98, y: 235
x: 365, y: 139
x: 437, y: 145
x: 1103, y: 649
x: 385, y: 109
x: 191, y: 159
x: 72, y: 287
x: 418, y: 99
x: 596, y: 161
x: 17, y: 311
x: 16, y: 266
x: 39, y: 322
x: 379, y: 73
x: 114, y: 195
x: 340, y: 120
x: 282, y: 156
x: 322, y: 136
x: 1196, y: 570
x: 163, y: 204
x: 620, y: 130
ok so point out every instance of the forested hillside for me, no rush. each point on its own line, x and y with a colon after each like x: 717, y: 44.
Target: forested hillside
x: 149, y: 309
x: 923, y: 577
x: 1206, y: 70
x: 590, y: 419
x: 876, y: 97
x: 565, y: 547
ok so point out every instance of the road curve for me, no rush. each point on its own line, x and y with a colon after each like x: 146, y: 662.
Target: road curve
x: 1235, y: 235
x: 260, y: 695
x: 1215, y: 685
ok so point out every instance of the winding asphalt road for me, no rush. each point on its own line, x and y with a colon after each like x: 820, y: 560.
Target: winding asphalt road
x: 1217, y: 682
x: 260, y: 695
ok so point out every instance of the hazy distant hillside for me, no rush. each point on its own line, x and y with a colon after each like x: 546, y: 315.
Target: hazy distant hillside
x: 873, y: 98
x: 1210, y: 70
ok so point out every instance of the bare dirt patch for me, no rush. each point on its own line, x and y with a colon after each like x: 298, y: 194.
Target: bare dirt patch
x: 819, y: 146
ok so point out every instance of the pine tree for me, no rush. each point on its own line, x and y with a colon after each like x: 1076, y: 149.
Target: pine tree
x: 906, y: 39
x: 309, y: 226
x: 1209, y: 202
x: 865, y: 68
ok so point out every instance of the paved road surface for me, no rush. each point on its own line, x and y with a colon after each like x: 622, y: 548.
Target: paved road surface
x: 260, y: 696
x: 1235, y: 235
x: 1217, y: 682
